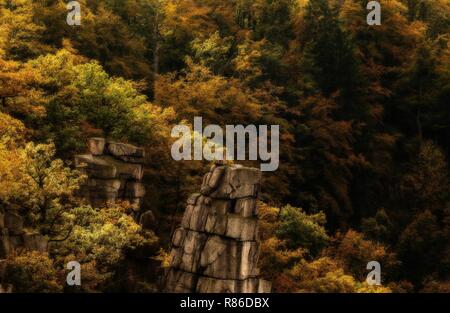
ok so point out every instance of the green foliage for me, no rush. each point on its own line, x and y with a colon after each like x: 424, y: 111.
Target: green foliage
x: 99, y: 240
x: 302, y: 230
x: 47, y: 188
x: 34, y: 181
x: 340, y: 267
x: 103, y: 235
x: 84, y: 100
x: 379, y: 227
x: 23, y: 34
x: 213, y: 52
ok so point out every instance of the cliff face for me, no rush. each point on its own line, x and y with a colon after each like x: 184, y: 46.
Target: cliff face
x: 216, y: 249
x: 114, y: 172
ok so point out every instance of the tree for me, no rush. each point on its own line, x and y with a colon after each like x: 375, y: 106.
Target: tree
x: 267, y: 19
x: 49, y: 188
x: 353, y: 252
x: 378, y: 227
x: 325, y: 275
x: 331, y: 50
x: 19, y: 29
x: 12, y: 136
x: 302, y: 230
x: 213, y: 52
x: 83, y: 100
x: 100, y: 241
x: 32, y: 272
x: 422, y: 247
x: 426, y: 185
x: 328, y: 160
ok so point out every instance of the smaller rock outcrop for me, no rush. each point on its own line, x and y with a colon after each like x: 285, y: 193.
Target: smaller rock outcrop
x: 114, y: 172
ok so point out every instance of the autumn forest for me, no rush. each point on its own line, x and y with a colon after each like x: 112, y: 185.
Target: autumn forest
x: 363, y: 114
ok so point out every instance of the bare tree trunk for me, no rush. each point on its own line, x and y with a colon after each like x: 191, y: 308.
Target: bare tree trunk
x: 419, y: 124
x: 418, y: 115
x: 156, y: 48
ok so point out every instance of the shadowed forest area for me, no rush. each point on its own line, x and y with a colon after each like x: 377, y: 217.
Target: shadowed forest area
x: 364, y: 115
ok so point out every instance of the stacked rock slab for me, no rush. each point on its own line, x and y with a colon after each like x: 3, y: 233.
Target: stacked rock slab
x: 114, y: 172
x: 216, y: 249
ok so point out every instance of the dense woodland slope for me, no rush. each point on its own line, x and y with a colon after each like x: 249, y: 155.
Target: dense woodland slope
x: 364, y: 115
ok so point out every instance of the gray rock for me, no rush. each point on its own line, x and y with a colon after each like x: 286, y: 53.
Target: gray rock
x: 220, y: 206
x: 108, y: 167
x: 234, y: 182
x: 124, y: 170
x: 233, y: 226
x: 134, y: 190
x: 246, y: 207
x: 96, y: 146
x: 187, y: 257
x: 180, y: 282
x: 113, y: 171
x: 229, y: 259
x: 14, y: 223
x: 123, y: 149
x: 195, y: 216
x: 130, y: 159
x: 147, y: 220
x: 193, y: 198
x: 264, y: 286
x: 216, y: 249
x: 2, y: 269
x: 214, y: 285
x: 104, y: 185
x: 95, y: 167
x: 250, y: 285
x: 178, y: 237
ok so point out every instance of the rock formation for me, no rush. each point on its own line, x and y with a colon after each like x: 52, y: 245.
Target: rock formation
x: 13, y: 239
x: 114, y: 172
x: 216, y: 249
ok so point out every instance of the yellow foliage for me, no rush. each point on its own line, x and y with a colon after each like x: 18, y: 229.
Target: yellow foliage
x: 321, y: 275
